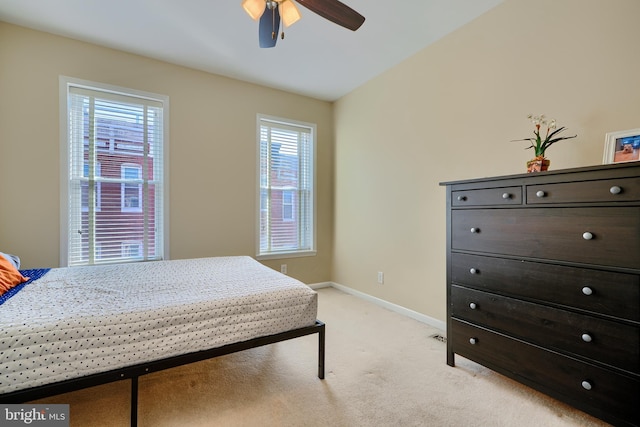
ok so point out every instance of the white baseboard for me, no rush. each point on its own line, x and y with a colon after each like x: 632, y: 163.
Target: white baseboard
x: 321, y: 285
x: 386, y: 304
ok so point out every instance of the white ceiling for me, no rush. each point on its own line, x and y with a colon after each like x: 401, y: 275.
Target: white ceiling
x: 317, y: 58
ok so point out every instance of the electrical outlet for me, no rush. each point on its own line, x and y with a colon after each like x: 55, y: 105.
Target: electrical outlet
x: 380, y: 277
x: 283, y: 268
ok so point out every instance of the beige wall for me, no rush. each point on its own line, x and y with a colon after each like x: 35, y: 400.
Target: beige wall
x: 212, y: 149
x: 450, y: 112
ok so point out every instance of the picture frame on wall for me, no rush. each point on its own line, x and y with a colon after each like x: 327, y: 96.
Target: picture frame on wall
x: 622, y: 146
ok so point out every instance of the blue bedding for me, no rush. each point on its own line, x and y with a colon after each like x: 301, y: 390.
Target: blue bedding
x: 33, y: 275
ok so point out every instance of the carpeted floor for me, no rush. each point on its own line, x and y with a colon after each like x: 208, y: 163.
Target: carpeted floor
x: 382, y: 369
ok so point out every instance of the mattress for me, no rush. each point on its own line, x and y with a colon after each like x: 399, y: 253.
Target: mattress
x: 78, y: 321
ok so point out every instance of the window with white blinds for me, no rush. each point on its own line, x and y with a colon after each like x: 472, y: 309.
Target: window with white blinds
x: 286, y: 218
x: 114, y: 175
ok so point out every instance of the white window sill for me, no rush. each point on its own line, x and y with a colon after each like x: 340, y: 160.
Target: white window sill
x: 279, y: 255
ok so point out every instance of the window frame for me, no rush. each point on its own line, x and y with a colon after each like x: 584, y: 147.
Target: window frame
x: 289, y: 253
x: 64, y: 85
x: 98, y: 207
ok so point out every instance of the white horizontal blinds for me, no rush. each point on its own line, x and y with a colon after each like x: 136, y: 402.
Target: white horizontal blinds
x: 286, y: 188
x: 115, y: 177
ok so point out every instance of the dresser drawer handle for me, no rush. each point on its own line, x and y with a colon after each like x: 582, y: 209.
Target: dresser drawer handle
x: 473, y: 306
x: 475, y: 230
x: 541, y: 194
x: 587, y: 290
x: 462, y: 198
x: 587, y: 236
x: 473, y: 341
x: 615, y: 190
x: 586, y: 338
x: 473, y: 271
x: 586, y: 385
x: 506, y: 196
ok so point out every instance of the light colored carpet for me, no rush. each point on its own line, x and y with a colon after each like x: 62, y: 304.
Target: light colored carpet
x: 382, y: 369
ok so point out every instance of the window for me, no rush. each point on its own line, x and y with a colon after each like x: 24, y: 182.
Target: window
x: 131, y: 188
x: 132, y: 250
x: 287, y: 205
x: 286, y: 220
x: 114, y: 174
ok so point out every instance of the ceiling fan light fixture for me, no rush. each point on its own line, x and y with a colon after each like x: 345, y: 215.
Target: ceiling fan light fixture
x: 289, y: 12
x: 255, y: 8
x: 270, y: 13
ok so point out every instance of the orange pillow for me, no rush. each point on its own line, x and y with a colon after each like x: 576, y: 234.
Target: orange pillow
x: 9, y: 276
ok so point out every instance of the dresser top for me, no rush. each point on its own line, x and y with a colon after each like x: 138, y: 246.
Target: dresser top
x: 613, y: 170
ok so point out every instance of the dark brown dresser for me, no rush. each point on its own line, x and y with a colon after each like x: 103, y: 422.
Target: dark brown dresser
x: 543, y: 283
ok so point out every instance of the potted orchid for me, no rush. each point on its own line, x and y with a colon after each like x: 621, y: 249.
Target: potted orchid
x: 551, y: 132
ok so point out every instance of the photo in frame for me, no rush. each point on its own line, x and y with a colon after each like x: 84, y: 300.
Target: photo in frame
x: 622, y: 146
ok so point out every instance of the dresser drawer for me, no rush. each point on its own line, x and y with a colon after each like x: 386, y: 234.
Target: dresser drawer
x: 552, y: 233
x: 608, y: 342
x: 606, y: 190
x: 603, y: 292
x: 560, y: 376
x: 487, y: 196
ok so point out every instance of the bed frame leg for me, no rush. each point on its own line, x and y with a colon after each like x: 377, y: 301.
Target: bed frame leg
x: 321, y: 352
x: 134, y: 401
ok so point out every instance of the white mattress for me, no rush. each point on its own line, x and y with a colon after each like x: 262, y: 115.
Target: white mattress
x: 83, y: 320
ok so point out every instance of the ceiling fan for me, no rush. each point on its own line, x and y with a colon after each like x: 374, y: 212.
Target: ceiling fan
x: 269, y: 12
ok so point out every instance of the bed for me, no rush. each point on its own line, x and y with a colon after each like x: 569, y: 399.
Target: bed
x: 78, y: 327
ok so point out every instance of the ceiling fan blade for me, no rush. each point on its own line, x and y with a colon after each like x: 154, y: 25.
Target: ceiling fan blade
x: 336, y: 12
x: 269, y: 27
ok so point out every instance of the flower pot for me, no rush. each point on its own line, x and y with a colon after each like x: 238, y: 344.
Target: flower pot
x: 538, y: 165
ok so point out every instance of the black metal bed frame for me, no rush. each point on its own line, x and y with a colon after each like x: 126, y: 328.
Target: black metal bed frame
x: 135, y: 371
